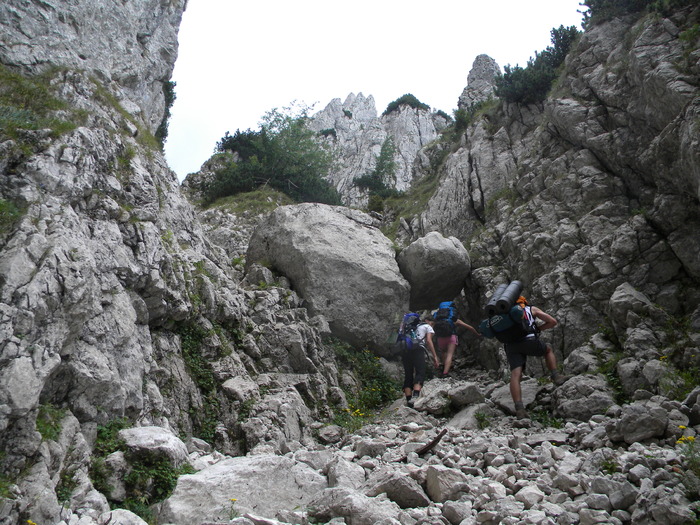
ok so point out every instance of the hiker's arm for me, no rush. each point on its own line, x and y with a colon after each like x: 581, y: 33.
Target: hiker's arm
x: 431, y: 347
x: 469, y: 327
x: 549, y: 321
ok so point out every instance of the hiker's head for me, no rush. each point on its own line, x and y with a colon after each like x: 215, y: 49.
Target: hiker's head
x: 428, y: 318
x: 522, y: 301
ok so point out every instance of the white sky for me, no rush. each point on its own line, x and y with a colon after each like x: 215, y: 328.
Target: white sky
x: 239, y: 59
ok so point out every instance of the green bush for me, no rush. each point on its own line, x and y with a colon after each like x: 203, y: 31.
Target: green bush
x: 531, y: 84
x: 9, y: 214
x: 376, y: 182
x: 169, y: 93
x: 48, y: 422
x: 603, y: 10
x: 405, y: 100
x: 376, y: 388
x: 27, y: 103
x: 284, y: 154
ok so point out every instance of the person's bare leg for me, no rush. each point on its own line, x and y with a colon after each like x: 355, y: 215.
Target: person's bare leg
x: 516, y: 376
x: 551, y: 362
x: 448, y: 358
x: 550, y: 359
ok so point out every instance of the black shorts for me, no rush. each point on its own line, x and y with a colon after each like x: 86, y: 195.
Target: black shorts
x: 413, y: 366
x: 517, y: 352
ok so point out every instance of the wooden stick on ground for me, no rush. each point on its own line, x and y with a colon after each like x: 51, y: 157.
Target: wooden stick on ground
x: 429, y: 446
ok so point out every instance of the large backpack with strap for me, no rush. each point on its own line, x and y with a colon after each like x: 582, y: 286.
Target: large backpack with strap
x: 407, y: 338
x: 445, y: 318
x: 510, y: 327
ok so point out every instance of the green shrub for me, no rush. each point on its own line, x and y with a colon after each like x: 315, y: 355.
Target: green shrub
x: 27, y: 103
x: 108, y: 439
x: 603, y: 10
x: 10, y: 213
x: 330, y: 132
x: 531, y: 84
x: 376, y: 182
x: 169, y: 94
x: 376, y: 387
x: 48, y: 422
x: 443, y: 115
x: 284, y: 154
x: 405, y: 100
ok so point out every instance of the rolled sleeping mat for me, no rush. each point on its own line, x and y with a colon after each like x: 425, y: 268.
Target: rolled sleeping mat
x: 491, y: 305
x: 507, y: 299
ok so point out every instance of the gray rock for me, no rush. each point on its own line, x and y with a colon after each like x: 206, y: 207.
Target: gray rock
x: 582, y: 397
x: 250, y: 481
x: 398, y: 487
x: 360, y: 290
x: 443, y: 483
x: 343, y: 473
x: 155, y: 442
x: 436, y: 268
x: 481, y: 82
x: 353, y: 506
x: 639, y: 421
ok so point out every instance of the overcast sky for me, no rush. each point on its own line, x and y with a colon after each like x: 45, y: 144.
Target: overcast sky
x: 239, y: 59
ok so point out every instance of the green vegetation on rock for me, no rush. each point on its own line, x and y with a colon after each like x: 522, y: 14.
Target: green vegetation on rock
x: 284, y: 154
x: 405, y: 100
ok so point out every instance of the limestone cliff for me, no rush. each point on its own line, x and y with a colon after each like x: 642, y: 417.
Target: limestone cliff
x: 355, y: 134
x: 121, y: 304
x: 596, y: 187
x: 114, y: 305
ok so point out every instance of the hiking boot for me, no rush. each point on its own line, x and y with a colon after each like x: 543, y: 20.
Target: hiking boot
x: 521, y: 413
x: 409, y: 403
x: 445, y: 375
x: 560, y: 379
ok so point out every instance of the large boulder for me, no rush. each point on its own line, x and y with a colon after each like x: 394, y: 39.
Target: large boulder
x: 340, y: 263
x: 262, y: 484
x: 436, y: 268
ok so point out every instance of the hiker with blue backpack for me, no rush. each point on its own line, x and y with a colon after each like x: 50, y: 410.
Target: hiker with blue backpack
x: 518, y: 325
x: 415, y: 338
x: 446, y: 324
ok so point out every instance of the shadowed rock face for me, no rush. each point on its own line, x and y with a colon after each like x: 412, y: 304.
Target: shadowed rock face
x: 341, y: 264
x: 436, y: 269
x: 134, y: 46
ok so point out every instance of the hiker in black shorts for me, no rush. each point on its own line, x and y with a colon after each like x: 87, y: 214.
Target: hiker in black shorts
x: 414, y: 360
x: 531, y: 345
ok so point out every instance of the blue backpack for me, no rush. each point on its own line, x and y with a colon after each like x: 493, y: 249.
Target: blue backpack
x: 508, y: 327
x: 445, y: 318
x: 407, y: 337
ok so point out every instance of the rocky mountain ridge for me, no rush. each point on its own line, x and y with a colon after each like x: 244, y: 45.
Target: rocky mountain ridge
x: 125, y: 309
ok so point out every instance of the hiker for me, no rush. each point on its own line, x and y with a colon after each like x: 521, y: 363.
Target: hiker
x: 446, y: 323
x: 530, y: 345
x: 414, y: 360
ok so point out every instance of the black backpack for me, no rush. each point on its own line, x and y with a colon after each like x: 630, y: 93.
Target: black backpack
x: 510, y: 327
x: 445, y: 318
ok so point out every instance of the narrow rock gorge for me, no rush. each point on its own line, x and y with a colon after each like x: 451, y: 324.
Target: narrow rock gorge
x: 167, y: 363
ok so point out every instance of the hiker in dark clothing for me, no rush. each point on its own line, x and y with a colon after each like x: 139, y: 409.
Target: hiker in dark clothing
x: 531, y: 345
x: 414, y: 360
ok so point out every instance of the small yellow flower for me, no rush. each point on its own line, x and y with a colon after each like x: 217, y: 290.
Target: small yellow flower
x: 663, y: 357
x: 234, y: 500
x: 30, y: 522
x: 682, y: 427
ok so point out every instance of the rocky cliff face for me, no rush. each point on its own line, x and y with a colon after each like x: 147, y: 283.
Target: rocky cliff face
x: 594, y: 188
x: 356, y: 135
x: 115, y: 306
x: 122, y: 305
x: 132, y: 49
